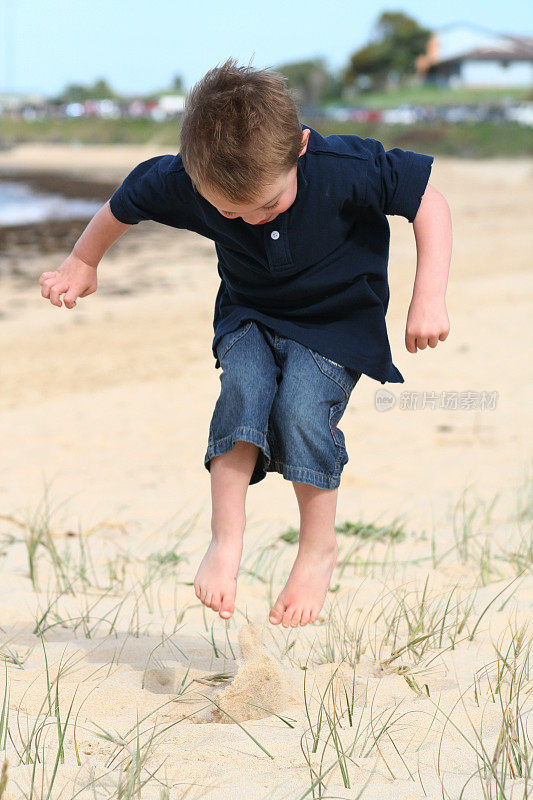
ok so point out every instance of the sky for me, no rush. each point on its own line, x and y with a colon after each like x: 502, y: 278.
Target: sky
x: 139, y: 46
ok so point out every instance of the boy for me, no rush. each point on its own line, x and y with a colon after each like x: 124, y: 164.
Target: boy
x: 300, y: 230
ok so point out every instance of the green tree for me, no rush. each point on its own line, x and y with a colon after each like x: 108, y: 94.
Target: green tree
x: 312, y: 81
x: 101, y: 90
x: 174, y: 87
x: 72, y: 93
x: 397, y: 41
x: 177, y: 84
x: 78, y: 93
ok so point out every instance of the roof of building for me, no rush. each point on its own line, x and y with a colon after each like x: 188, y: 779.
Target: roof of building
x: 517, y: 50
x: 464, y: 41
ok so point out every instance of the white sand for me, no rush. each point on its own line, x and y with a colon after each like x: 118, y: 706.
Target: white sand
x: 110, y: 405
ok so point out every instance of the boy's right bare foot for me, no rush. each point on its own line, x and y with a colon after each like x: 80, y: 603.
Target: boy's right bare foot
x: 216, y: 580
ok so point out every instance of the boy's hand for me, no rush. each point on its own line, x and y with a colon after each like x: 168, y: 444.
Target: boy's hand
x: 427, y: 323
x: 74, y: 279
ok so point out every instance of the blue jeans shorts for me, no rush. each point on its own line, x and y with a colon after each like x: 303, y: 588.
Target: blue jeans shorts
x: 285, y: 398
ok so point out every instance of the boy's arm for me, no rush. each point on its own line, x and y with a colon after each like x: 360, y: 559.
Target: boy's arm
x: 102, y: 231
x: 76, y: 277
x: 427, y: 319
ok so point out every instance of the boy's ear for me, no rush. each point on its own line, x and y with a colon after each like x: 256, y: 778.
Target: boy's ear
x: 305, y: 137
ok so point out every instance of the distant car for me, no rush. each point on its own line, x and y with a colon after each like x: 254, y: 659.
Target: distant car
x: 74, y: 110
x: 521, y: 113
x: 402, y: 115
x: 338, y: 114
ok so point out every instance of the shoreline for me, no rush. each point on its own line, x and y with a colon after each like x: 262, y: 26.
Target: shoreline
x: 51, y: 182
x: 51, y: 235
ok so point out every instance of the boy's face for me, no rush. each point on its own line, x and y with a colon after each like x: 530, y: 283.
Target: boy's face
x: 274, y: 199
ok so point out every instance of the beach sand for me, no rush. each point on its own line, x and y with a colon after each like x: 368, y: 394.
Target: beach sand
x: 103, y: 430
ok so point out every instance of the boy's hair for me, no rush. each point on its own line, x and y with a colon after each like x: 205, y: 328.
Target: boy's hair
x: 240, y: 131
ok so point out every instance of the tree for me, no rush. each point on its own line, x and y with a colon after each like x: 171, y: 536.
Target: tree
x: 77, y: 93
x: 312, y: 81
x: 391, y: 54
x: 72, y: 93
x: 177, y: 84
x: 101, y: 90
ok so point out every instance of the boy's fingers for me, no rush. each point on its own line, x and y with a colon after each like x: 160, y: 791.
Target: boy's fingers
x: 70, y: 298
x: 47, y: 284
x: 55, y: 291
x: 410, y: 342
x: 46, y: 275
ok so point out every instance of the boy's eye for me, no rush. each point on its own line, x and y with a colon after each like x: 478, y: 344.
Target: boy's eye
x: 267, y: 208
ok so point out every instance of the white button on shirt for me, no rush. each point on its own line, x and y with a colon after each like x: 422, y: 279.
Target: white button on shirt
x: 275, y: 234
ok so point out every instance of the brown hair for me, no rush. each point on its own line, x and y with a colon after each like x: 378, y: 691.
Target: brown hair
x: 240, y: 131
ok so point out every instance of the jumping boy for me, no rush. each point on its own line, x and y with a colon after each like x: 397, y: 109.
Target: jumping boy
x: 300, y: 231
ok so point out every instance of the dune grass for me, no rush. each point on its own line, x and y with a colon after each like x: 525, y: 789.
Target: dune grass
x: 407, y: 613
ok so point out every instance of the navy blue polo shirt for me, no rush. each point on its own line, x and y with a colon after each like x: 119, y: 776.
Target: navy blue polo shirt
x: 316, y: 273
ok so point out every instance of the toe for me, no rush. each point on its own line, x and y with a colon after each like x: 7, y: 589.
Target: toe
x: 305, y: 617
x: 296, y: 617
x: 207, y: 599
x: 215, y: 601
x: 226, y: 608
x: 313, y: 615
x: 286, y: 621
x: 277, y: 612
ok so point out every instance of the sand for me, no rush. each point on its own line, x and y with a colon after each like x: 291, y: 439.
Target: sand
x: 105, y: 412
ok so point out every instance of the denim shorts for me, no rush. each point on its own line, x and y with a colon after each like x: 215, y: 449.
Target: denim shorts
x: 285, y: 398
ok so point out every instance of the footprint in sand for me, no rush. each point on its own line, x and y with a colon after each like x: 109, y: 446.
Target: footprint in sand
x: 261, y: 686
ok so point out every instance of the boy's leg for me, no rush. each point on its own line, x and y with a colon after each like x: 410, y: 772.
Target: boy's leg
x: 304, y: 593
x: 310, y: 452
x: 216, y: 580
x: 237, y: 437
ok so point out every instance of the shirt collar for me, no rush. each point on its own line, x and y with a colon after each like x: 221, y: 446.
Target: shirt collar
x: 302, y: 161
x: 302, y: 180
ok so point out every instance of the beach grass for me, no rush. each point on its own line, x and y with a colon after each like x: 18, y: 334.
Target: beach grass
x: 421, y: 651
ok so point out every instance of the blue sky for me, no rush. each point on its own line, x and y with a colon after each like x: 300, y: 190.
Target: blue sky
x: 138, y: 46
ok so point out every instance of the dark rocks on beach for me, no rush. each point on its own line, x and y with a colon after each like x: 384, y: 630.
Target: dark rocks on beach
x: 52, y: 235
x: 74, y: 186
x: 46, y: 237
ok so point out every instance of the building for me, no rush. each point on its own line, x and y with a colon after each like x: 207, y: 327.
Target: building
x: 14, y: 102
x: 462, y: 54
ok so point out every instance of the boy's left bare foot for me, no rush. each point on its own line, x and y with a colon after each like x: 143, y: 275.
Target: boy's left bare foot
x: 305, y: 591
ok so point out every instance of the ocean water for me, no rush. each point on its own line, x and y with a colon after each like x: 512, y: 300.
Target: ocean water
x: 22, y: 205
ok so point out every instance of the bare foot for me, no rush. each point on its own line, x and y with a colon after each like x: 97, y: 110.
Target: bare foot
x: 305, y: 591
x: 216, y: 580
